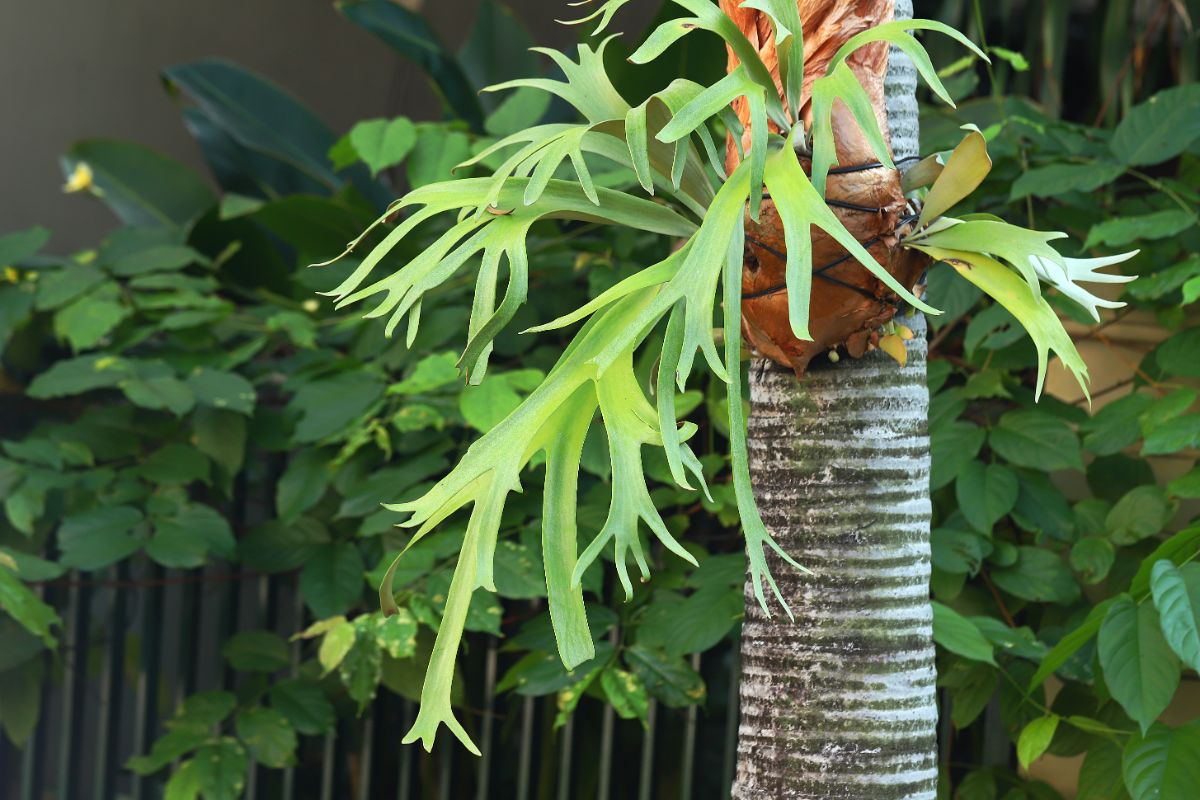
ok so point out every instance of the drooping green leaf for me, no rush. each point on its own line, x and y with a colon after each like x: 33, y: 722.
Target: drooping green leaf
x: 1140, y: 668
x: 269, y: 736
x: 1034, y: 313
x: 1162, y: 763
x: 1038, y: 575
x: 1177, y: 597
x: 1035, y: 739
x: 410, y: 35
x: 383, y: 143
x: 255, y: 651
x: 1160, y: 128
x: 959, y: 635
x: 304, y: 705
x: 332, y: 581
x: 141, y: 186
x: 985, y: 493
x: 1123, y: 230
x: 1036, y: 439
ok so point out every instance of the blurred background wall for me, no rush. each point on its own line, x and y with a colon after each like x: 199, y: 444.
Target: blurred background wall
x: 71, y: 69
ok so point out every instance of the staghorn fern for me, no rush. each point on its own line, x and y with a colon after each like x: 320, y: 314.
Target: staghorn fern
x: 670, y: 153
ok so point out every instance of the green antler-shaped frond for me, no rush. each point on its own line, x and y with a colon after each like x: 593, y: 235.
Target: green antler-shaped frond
x: 604, y: 12
x: 587, y: 86
x: 710, y: 18
x: 494, y: 237
x: 840, y: 83
x: 800, y: 207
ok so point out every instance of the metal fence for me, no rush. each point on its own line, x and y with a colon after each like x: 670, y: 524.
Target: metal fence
x: 137, y: 639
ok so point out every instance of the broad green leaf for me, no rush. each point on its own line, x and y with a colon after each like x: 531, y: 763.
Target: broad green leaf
x: 1140, y: 668
x: 255, y: 651
x: 1036, y: 439
x: 20, y: 245
x: 681, y: 626
x: 26, y: 607
x: 1177, y: 434
x: 191, y: 534
x: 1123, y: 230
x: 1093, y: 557
x: 304, y: 705
x: 1038, y: 575
x: 1163, y: 763
x: 1034, y: 313
x: 1071, y: 643
x: 959, y: 635
x: 951, y: 448
x: 240, y: 102
x: 1035, y: 739
x: 396, y: 634
x: 220, y: 769
x: 141, y: 186
x: 328, y: 406
x: 670, y: 680
x: 361, y: 670
x: 1115, y: 426
x: 87, y: 321
x: 1177, y: 597
x: 168, y: 747
x: 1177, y: 355
x: 435, y: 154
x: 1059, y: 178
x: 1100, y: 774
x: 94, y: 539
x: 985, y: 493
x: 383, y: 143
x: 1160, y: 128
x: 1138, y: 515
x: 338, y: 637
x: 269, y: 736
x: 624, y: 690
x: 332, y: 580
x: 203, y: 710
x: 221, y: 389
x: 1180, y: 548
x: 302, y: 484
x: 410, y: 35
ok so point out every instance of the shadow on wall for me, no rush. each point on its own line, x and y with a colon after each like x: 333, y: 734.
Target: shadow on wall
x: 79, y: 69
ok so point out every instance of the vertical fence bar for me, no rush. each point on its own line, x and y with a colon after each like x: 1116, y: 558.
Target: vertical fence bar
x: 327, y: 768
x: 445, y: 774
x: 289, y: 774
x: 404, y: 784
x: 146, y: 699
x: 526, y: 755
x: 364, y: 766
x: 482, y: 786
x: 111, y: 682
x: 731, y: 722
x: 688, y: 762
x: 74, y: 664
x: 33, y: 757
x: 606, y: 740
x: 646, y: 774
x: 564, y: 759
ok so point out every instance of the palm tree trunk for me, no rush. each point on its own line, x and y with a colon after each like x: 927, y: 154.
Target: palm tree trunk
x: 842, y: 703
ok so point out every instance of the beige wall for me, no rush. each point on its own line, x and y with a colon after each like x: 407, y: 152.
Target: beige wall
x: 71, y: 69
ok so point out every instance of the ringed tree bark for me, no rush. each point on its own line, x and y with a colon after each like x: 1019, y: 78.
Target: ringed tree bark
x: 841, y: 703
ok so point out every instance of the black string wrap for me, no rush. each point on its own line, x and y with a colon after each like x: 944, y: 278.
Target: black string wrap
x: 821, y: 272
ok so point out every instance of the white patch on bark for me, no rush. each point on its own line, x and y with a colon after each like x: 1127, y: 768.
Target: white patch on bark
x: 842, y: 704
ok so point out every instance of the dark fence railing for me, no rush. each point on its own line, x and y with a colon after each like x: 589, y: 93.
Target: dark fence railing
x: 137, y: 639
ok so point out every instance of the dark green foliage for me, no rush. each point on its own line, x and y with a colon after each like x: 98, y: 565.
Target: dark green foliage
x: 182, y: 365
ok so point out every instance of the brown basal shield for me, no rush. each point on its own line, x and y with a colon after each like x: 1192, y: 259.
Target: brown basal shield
x: 848, y: 303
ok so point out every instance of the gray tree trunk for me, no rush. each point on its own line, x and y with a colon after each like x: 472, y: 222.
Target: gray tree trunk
x: 842, y: 703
